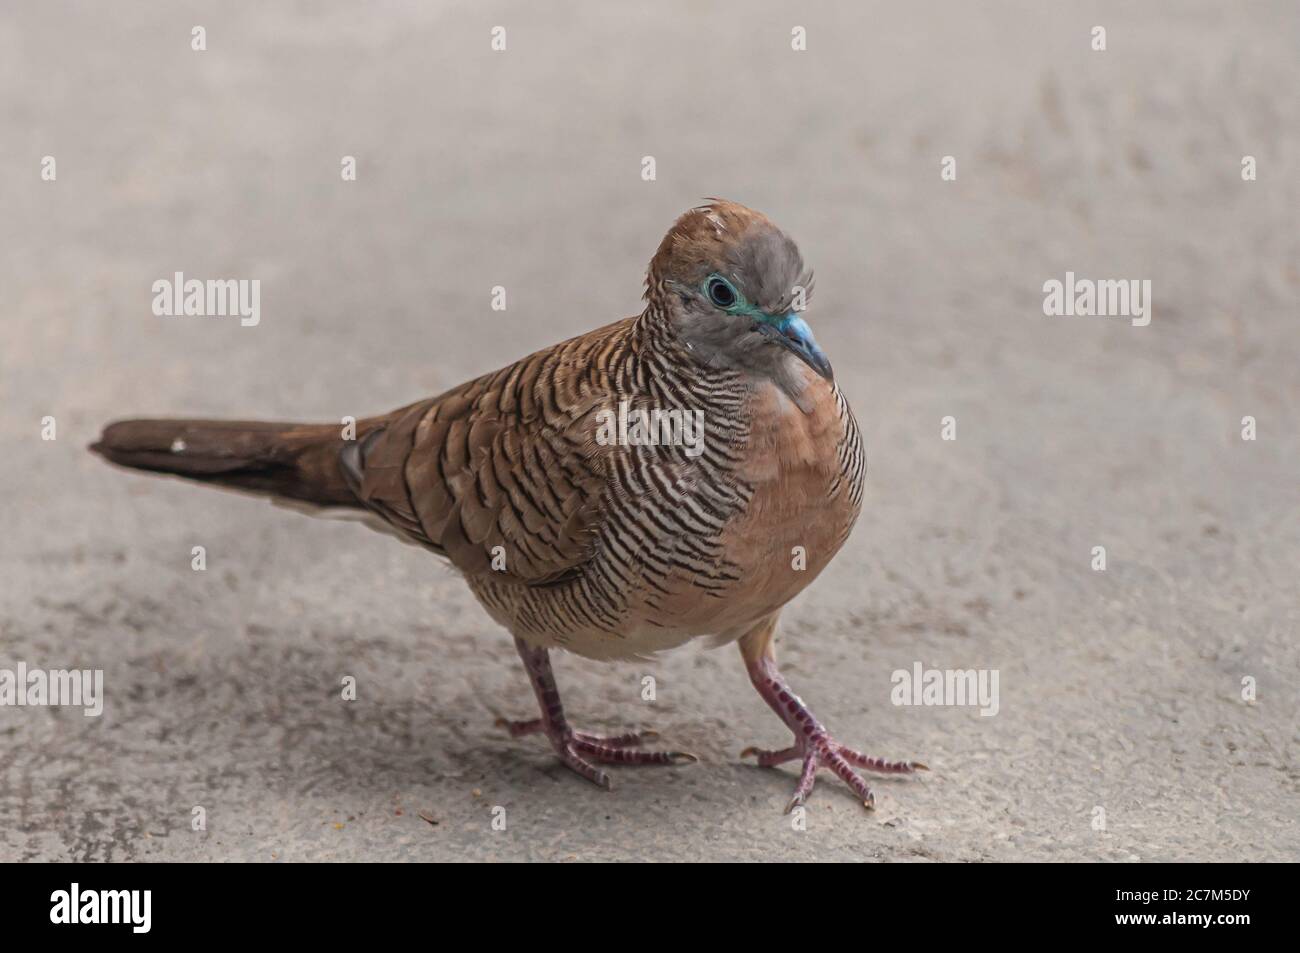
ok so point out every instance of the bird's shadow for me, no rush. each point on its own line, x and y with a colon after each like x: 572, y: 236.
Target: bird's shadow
x: 274, y: 718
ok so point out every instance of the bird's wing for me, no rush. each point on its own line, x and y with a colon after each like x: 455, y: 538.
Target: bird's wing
x: 508, y: 460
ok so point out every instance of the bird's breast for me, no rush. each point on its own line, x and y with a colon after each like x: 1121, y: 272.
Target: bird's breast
x: 806, y: 469
x: 706, y: 545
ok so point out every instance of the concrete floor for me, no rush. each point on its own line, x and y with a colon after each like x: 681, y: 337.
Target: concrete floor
x: 1120, y: 690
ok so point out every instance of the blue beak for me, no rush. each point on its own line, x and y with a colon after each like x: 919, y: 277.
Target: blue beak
x: 793, y: 333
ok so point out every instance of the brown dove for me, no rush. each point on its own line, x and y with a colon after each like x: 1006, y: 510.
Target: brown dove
x: 679, y: 474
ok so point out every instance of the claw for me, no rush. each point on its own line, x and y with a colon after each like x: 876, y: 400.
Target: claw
x: 569, y: 745
x: 520, y: 728
x: 578, y: 765
x: 812, y: 742
x: 630, y: 739
x: 821, y: 752
x: 770, y: 759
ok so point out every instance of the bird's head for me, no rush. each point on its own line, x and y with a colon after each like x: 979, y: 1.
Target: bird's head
x: 733, y: 286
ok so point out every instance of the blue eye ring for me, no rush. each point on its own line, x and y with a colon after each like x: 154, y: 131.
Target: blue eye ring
x: 721, y: 292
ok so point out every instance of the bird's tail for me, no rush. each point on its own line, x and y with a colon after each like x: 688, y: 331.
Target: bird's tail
x: 289, y: 460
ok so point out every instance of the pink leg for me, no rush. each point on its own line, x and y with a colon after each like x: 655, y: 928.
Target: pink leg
x: 569, y: 744
x: 535, y: 726
x: 813, y: 744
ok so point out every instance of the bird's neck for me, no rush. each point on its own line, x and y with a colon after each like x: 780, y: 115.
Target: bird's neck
x: 655, y: 344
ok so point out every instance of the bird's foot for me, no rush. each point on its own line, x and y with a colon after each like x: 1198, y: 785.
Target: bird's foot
x: 813, y: 744
x: 819, y: 750
x: 571, y: 746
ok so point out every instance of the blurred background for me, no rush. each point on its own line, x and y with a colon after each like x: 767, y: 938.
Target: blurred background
x: 1119, y: 689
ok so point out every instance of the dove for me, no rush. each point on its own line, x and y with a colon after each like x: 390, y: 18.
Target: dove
x: 583, y: 512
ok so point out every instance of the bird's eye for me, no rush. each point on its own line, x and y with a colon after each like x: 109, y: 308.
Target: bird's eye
x: 720, y: 292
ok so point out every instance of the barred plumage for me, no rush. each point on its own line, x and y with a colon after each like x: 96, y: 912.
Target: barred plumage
x: 610, y: 548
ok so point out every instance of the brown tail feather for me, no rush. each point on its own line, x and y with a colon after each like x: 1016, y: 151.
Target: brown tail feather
x: 298, y: 461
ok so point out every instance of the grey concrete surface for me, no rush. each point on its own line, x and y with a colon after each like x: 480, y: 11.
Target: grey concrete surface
x: 1120, y: 690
